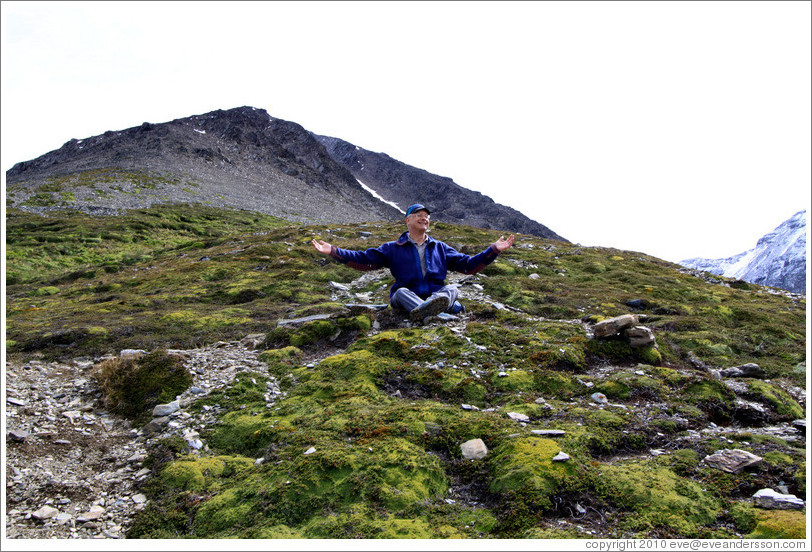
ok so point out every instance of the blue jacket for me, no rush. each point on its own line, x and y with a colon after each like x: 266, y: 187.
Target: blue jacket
x: 402, y: 259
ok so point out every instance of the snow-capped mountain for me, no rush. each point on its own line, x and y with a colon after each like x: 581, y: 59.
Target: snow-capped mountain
x: 778, y: 260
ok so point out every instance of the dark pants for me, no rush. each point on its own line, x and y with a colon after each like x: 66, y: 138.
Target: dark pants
x: 408, y: 300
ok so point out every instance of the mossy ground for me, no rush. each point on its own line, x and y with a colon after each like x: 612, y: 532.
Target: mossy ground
x: 382, y: 407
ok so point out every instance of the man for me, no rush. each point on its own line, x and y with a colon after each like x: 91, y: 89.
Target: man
x: 419, y: 264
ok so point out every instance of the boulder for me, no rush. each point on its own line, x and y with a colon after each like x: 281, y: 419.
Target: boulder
x: 773, y: 500
x: 165, y: 409
x: 613, y: 326
x: 639, y: 336
x: 731, y: 460
x: 750, y: 370
x: 474, y: 449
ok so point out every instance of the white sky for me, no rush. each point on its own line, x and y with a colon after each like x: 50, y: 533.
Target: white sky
x: 678, y: 129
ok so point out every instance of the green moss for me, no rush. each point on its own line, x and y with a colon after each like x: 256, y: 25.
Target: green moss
x: 659, y: 499
x: 47, y: 290
x: 391, y: 473
x: 650, y: 354
x: 312, y: 331
x: 285, y: 355
x: 783, y: 404
x: 778, y: 524
x: 365, y: 524
x: 524, y: 466
x: 203, y: 474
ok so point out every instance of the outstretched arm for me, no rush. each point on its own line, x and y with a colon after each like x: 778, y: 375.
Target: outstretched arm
x: 322, y: 247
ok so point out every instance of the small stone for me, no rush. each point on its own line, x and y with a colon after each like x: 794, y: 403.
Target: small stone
x: 18, y: 435
x: 599, y: 398
x: 126, y: 353
x: 15, y: 402
x: 139, y: 498
x: 46, y: 512
x: 474, y: 449
x: 92, y: 515
x: 770, y: 499
x: 519, y: 417
x: 561, y: 457
x: 165, y: 409
x: 311, y: 450
x: 548, y: 432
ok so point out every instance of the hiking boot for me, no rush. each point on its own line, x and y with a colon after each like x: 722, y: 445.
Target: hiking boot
x: 434, y: 305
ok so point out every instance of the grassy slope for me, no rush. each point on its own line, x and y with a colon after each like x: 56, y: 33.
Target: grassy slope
x: 188, y: 275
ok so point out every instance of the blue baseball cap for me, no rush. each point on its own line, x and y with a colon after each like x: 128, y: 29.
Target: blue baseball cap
x: 415, y: 208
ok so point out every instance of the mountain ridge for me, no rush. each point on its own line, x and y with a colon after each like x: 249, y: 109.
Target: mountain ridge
x: 399, y: 183
x: 777, y: 260
x: 238, y: 158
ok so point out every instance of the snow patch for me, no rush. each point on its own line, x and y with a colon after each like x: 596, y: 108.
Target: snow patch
x: 377, y: 196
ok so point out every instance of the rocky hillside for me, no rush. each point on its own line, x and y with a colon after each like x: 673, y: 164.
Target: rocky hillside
x: 403, y: 185
x: 240, y: 158
x: 194, y: 372
x: 778, y: 259
x: 244, y: 159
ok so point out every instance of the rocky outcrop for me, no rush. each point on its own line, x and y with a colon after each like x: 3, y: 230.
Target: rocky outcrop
x: 403, y: 184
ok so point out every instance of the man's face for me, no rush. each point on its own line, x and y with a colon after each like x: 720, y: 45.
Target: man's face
x: 418, y: 221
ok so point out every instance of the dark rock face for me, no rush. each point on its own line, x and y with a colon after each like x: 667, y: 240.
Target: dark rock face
x: 243, y: 158
x: 449, y: 202
x: 240, y: 158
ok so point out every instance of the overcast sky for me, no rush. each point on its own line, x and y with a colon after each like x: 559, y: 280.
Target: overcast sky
x: 678, y: 129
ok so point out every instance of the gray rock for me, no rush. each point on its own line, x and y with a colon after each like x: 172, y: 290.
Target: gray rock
x: 253, y: 341
x: 131, y: 353
x: 732, y: 460
x: 561, y: 457
x: 165, y: 409
x: 15, y: 402
x: 303, y: 320
x: 18, y: 435
x: 474, y: 449
x: 750, y: 370
x: 639, y: 336
x: 613, y: 326
x: 548, y: 432
x: 92, y: 515
x: 46, y: 512
x: 311, y: 450
x: 772, y: 500
x: 599, y: 398
x: 519, y: 417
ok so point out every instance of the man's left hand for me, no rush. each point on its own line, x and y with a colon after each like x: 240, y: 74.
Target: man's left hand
x: 503, y: 243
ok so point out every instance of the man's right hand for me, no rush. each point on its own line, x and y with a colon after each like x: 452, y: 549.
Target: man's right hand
x: 322, y: 247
